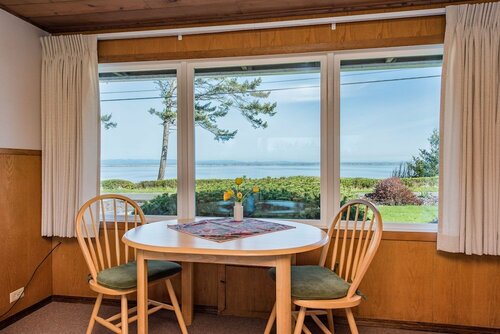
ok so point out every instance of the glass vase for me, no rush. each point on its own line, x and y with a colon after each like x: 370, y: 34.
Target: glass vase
x: 238, y: 212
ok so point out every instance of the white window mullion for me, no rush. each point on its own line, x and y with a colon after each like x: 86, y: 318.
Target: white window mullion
x: 334, y: 138
x: 327, y: 175
x: 185, y: 143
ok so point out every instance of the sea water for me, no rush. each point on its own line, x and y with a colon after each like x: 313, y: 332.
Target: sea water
x: 143, y: 170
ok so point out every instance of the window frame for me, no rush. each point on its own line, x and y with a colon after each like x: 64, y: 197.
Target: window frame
x: 336, y: 58
x: 268, y: 60
x: 329, y: 121
x: 150, y: 66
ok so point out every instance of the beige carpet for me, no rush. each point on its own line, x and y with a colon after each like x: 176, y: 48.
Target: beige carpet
x: 72, y: 318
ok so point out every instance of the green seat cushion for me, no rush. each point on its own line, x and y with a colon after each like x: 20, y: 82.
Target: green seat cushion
x: 315, y: 282
x: 125, y: 276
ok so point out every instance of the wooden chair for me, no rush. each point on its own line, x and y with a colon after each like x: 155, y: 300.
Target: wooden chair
x: 111, y: 262
x: 355, y: 235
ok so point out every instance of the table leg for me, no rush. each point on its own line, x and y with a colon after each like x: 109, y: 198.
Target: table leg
x: 142, y: 293
x: 283, y: 294
x: 187, y: 292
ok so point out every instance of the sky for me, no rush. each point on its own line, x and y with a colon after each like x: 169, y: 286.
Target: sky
x: 380, y: 120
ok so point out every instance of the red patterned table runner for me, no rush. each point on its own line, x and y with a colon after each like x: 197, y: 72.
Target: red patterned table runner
x: 226, y: 229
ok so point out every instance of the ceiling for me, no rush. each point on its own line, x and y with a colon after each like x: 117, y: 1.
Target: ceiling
x: 90, y: 15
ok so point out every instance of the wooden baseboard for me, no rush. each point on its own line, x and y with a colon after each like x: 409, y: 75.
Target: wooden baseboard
x: 380, y: 323
x: 419, y: 326
x: 27, y: 311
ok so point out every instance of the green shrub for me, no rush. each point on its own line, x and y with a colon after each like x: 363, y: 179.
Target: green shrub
x: 165, y: 204
x: 117, y: 184
x: 418, y: 182
x: 358, y: 182
x: 170, y: 183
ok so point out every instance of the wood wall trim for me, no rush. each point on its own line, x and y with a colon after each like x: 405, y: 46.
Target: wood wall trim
x: 16, y: 151
x: 349, y: 36
x: 405, y: 236
x: 409, y: 236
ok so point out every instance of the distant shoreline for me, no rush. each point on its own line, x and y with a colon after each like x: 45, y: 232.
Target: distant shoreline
x: 147, y: 162
x: 139, y: 170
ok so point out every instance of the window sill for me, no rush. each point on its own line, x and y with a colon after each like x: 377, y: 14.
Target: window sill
x: 392, y: 231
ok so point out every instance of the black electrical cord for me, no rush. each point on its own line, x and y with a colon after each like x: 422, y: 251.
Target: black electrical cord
x: 31, y: 278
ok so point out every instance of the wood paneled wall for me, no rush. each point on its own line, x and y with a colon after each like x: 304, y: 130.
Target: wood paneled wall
x: 21, y: 246
x: 414, y: 31
x: 346, y: 36
x: 408, y: 281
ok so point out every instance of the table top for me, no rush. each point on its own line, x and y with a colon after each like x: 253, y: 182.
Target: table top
x: 157, y: 237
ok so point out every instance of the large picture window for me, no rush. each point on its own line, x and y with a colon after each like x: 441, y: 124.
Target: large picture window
x: 139, y: 138
x: 307, y: 132
x: 389, y: 135
x: 262, y: 123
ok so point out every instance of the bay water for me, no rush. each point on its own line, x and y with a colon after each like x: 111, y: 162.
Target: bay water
x: 144, y: 170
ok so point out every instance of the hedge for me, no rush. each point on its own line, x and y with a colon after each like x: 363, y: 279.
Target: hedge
x: 294, y: 182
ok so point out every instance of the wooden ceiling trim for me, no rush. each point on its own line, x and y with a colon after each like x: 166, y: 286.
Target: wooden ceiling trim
x: 49, y: 9
x: 64, y: 16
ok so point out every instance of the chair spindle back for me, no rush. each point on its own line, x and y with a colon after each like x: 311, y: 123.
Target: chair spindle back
x: 98, y: 230
x: 355, y: 235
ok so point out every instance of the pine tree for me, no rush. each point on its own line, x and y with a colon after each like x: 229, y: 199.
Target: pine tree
x: 426, y: 164
x: 214, y: 98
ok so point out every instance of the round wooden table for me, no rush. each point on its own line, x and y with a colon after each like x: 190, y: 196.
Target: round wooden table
x: 156, y: 241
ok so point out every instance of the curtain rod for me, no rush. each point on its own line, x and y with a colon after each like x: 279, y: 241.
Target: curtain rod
x: 179, y: 32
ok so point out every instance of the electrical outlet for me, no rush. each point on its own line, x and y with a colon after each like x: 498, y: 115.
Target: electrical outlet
x: 18, y: 294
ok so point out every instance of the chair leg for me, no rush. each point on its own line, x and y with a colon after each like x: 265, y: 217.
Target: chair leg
x: 352, y: 323
x: 270, y: 321
x: 300, y: 321
x: 329, y: 316
x: 124, y: 322
x: 175, y: 304
x: 95, y: 311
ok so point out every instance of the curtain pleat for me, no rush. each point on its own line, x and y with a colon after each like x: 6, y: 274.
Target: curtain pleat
x: 469, y: 217
x: 70, y: 129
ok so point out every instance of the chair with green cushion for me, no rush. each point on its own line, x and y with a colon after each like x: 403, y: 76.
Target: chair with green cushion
x: 100, y: 224
x: 355, y: 235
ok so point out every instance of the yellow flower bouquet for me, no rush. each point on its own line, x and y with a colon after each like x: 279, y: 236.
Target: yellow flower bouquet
x: 238, y: 195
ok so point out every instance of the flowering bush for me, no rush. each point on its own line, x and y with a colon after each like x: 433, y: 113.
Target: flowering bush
x: 238, y: 194
x: 392, y: 191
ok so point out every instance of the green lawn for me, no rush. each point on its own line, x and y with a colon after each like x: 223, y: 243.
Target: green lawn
x: 409, y: 213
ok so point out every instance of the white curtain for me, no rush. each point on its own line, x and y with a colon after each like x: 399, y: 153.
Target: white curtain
x: 70, y: 129
x: 469, y: 219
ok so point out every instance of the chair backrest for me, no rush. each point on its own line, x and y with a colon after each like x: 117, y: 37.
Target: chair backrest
x: 355, y: 235
x: 105, y: 250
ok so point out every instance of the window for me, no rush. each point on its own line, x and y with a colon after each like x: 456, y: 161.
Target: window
x: 262, y: 123
x: 139, y: 138
x: 389, y: 134
x: 308, y: 131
